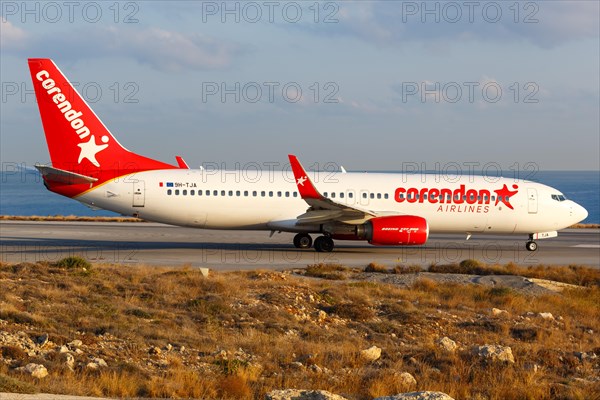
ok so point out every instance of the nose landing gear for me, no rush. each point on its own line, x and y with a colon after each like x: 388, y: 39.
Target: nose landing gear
x: 531, y: 245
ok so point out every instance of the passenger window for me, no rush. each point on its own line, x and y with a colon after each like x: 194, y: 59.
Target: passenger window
x: 295, y: 194
x: 263, y: 193
x: 192, y: 192
x: 342, y: 195
x: 287, y: 194
x: 270, y: 194
x: 379, y: 195
x: 325, y: 194
x: 169, y: 192
x: 199, y: 192
x: 385, y: 196
x: 364, y: 196
x: 254, y: 193
x: 215, y: 192
x: 278, y: 194
x: 222, y: 193
x: 372, y: 195
x: 185, y: 193
x: 238, y: 193
x: 231, y: 193
x: 351, y: 195
x: 333, y: 195
x: 176, y: 192
x: 245, y: 193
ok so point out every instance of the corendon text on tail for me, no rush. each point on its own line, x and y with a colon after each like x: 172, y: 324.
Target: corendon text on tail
x: 352, y: 206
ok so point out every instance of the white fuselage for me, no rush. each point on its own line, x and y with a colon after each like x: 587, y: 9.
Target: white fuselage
x: 270, y: 201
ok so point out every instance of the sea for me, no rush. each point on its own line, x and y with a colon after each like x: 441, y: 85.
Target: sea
x: 22, y: 192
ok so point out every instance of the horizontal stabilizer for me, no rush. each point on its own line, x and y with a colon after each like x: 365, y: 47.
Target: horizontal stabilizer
x: 62, y: 176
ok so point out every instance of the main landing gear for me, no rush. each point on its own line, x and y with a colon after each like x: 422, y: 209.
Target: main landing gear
x: 302, y: 241
x: 322, y: 243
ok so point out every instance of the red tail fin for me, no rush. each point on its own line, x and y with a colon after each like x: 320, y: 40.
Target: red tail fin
x: 77, y: 140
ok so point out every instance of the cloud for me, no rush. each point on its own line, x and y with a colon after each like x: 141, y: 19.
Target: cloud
x: 159, y: 48
x: 12, y: 36
x: 545, y: 24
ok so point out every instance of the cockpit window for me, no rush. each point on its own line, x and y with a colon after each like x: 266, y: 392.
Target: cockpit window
x: 558, y: 197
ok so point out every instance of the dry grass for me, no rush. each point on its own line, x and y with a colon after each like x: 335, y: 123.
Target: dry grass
x: 585, y: 226
x: 572, y: 274
x: 245, y: 333
x: 67, y: 218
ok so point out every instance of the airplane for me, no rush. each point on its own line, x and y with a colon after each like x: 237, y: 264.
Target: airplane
x: 89, y: 164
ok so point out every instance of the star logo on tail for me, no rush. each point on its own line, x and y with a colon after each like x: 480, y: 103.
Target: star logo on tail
x: 504, y: 195
x: 90, y: 149
x: 300, y: 181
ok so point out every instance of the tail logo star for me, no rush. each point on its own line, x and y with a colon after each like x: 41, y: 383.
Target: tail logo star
x: 300, y: 181
x: 90, y: 149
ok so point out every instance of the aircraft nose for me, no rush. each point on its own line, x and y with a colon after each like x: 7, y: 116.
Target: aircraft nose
x: 578, y: 212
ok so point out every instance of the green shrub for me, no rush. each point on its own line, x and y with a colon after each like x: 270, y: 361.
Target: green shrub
x: 12, y: 385
x: 74, y: 262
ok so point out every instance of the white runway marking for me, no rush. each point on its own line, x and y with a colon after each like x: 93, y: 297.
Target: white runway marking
x: 588, y: 246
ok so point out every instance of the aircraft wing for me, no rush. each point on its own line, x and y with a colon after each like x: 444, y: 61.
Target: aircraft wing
x: 321, y: 209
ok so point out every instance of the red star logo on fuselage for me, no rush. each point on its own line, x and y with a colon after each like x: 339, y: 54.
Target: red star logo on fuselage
x: 504, y: 195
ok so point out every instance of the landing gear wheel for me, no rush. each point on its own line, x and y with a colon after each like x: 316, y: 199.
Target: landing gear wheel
x: 324, y: 244
x: 531, y: 246
x: 302, y: 241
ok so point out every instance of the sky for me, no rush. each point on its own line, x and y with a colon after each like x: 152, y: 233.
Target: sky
x: 370, y: 85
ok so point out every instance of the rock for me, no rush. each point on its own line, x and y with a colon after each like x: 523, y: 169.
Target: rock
x: 154, y: 350
x: 322, y: 315
x: 533, y: 367
x: 70, y: 361
x: 100, y: 362
x: 75, y: 343
x: 495, y: 353
x: 35, y: 370
x: 316, y: 369
x: 371, y: 354
x: 407, y: 380
x: 92, y: 366
x: 295, y: 394
x: 496, y: 312
x: 547, y: 316
x: 63, y: 349
x: 585, y: 356
x: 182, y: 349
x: 204, y: 271
x: 447, y: 344
x: 42, y: 340
x: 169, y: 347
x: 296, y: 365
x: 418, y: 396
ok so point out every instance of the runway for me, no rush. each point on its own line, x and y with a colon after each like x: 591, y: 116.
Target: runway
x: 157, y: 244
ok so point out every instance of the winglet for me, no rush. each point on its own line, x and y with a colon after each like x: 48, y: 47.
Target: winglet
x: 181, y: 162
x: 305, y: 186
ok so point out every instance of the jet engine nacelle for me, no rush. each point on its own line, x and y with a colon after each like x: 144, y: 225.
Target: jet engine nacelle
x: 401, y: 230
